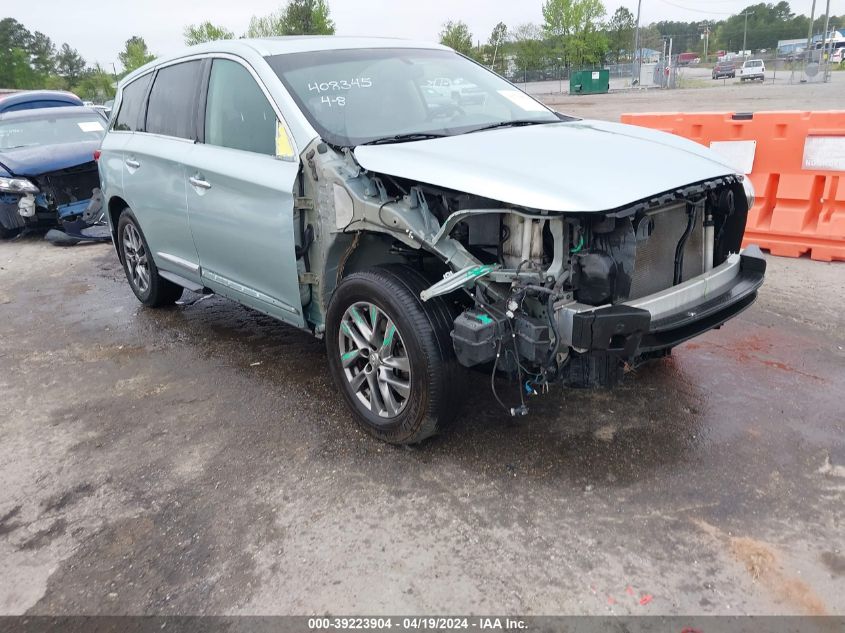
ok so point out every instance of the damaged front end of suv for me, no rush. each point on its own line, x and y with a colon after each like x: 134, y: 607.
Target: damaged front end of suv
x: 576, y: 284
x: 420, y: 232
x: 499, y: 234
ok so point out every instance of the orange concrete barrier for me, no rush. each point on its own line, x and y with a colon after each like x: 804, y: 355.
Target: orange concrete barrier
x: 796, y: 162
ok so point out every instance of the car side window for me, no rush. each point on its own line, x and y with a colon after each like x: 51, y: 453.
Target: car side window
x: 132, y: 104
x: 172, y: 109
x: 238, y: 114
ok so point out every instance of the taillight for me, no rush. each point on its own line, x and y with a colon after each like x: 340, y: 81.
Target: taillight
x: 96, y: 154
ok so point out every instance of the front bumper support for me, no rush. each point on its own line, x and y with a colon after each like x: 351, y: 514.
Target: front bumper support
x: 667, y: 318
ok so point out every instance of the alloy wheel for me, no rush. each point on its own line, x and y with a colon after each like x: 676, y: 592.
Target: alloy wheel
x: 137, y: 262
x: 374, y: 359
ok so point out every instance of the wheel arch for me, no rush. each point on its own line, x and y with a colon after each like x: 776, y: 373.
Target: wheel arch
x: 116, y: 206
x: 363, y: 250
x: 368, y: 250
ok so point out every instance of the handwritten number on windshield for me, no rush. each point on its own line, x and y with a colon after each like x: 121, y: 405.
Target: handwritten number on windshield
x: 333, y: 101
x: 342, y: 84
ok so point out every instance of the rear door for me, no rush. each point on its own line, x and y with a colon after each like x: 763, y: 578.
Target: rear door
x: 128, y: 119
x: 154, y: 171
x: 240, y: 181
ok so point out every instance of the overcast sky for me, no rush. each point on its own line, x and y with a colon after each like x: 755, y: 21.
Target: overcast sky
x: 98, y: 28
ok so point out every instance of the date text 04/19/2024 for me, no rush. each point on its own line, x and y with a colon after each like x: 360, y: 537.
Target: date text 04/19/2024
x: 417, y: 623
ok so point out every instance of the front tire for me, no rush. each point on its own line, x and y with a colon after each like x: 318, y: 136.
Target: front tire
x: 152, y: 289
x: 7, y: 234
x: 391, y: 354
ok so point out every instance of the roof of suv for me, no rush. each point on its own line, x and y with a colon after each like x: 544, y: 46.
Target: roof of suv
x: 267, y: 46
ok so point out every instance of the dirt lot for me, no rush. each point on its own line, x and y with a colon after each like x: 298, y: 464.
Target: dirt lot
x: 198, y: 460
x: 718, y: 96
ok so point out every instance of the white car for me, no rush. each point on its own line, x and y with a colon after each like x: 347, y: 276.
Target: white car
x: 752, y: 69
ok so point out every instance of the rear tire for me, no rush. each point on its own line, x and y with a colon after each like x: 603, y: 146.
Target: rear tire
x: 379, y: 308
x: 152, y: 289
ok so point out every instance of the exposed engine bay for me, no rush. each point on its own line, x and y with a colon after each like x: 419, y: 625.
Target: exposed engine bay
x: 67, y: 201
x: 541, y: 296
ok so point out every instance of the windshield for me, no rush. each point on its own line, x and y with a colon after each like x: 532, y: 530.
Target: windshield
x: 51, y: 131
x: 359, y: 96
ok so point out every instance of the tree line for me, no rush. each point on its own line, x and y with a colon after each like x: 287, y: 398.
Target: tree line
x: 30, y: 60
x: 578, y: 33
x: 574, y: 33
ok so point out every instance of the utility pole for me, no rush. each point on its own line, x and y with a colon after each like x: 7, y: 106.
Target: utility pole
x: 810, y: 32
x: 824, y: 40
x: 706, y: 36
x: 495, y: 50
x: 636, y: 68
x: 669, y: 65
x: 744, y: 35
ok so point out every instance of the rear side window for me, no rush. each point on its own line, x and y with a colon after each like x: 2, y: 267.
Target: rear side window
x: 238, y: 115
x: 132, y: 104
x: 172, y: 107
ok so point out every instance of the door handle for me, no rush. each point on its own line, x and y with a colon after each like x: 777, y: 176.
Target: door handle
x: 199, y: 182
x: 134, y: 164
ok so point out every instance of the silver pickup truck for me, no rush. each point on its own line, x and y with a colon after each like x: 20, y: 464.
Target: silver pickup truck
x: 319, y: 181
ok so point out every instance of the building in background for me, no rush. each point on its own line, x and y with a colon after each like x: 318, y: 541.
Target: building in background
x: 649, y: 55
x: 791, y: 47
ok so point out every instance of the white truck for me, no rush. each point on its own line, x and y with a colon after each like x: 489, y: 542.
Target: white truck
x: 752, y: 69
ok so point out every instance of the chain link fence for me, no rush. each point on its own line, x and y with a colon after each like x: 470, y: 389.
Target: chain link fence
x: 554, y: 78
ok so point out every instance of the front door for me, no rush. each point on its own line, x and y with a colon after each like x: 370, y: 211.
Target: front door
x: 240, y: 196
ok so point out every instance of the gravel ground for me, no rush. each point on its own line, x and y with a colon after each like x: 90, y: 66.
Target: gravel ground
x: 717, y: 96
x: 198, y: 460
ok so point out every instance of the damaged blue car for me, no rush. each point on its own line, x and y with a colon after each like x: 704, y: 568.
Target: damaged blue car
x: 48, y: 174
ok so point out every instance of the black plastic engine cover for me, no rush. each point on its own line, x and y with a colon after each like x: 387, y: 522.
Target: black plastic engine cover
x: 603, y: 273
x: 475, y: 338
x: 477, y: 334
x: 596, y: 278
x: 533, y: 340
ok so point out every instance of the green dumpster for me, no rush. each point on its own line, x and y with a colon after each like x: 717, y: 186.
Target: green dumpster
x: 589, y: 82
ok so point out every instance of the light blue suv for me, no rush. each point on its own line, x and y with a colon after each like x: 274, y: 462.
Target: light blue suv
x: 323, y: 182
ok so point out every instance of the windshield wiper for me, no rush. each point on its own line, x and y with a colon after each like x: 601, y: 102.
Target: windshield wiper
x: 518, y: 123
x: 401, y: 138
